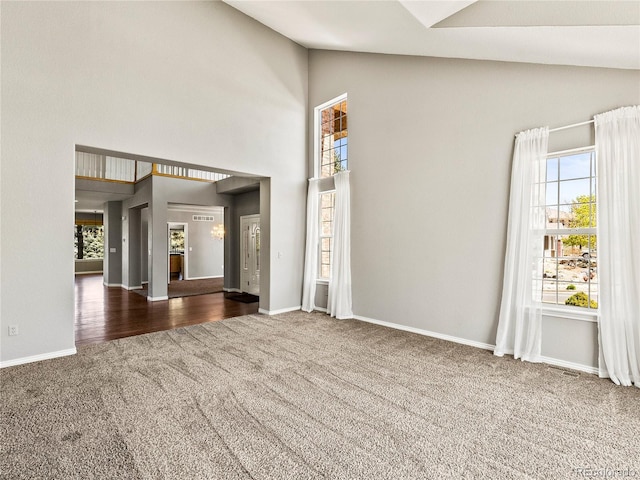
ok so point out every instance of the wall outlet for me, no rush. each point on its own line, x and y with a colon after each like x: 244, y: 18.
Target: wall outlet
x: 13, y: 330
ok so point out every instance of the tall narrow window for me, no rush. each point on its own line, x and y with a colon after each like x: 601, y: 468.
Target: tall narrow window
x: 333, y: 137
x: 331, y: 157
x: 570, y: 243
x: 327, y: 208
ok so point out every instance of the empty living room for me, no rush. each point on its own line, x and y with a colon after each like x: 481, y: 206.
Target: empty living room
x: 430, y: 207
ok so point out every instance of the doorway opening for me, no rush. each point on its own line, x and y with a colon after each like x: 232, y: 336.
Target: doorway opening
x: 178, y: 253
x: 132, y: 271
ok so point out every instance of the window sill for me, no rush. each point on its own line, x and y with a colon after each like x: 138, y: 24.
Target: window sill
x: 322, y: 281
x: 576, y: 313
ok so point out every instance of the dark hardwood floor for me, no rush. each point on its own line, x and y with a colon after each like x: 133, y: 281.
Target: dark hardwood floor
x: 106, y: 313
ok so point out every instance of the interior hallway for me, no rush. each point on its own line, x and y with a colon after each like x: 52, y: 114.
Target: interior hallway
x: 103, y: 314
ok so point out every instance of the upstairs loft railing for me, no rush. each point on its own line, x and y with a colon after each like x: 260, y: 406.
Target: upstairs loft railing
x: 103, y: 167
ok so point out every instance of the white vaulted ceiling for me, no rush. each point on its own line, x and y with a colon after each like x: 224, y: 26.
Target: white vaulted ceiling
x: 586, y: 33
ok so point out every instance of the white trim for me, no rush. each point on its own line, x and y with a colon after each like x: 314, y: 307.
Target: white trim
x: 157, y: 299
x: 113, y: 285
x: 235, y: 290
x: 146, y: 281
x: 38, y: 358
x: 571, y: 314
x: 276, y: 312
x: 320, y: 309
x: 90, y: 271
x: 557, y: 129
x: 485, y: 346
x: 570, y: 365
x: 560, y: 153
x: 419, y: 331
x: 204, y: 278
x: 137, y: 287
x: 322, y: 281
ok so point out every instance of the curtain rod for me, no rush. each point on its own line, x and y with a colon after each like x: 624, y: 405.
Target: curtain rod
x: 557, y: 129
x: 570, y: 126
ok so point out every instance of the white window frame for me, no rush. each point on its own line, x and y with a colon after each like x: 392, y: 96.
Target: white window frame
x: 316, y: 169
x: 316, y: 130
x: 569, y: 311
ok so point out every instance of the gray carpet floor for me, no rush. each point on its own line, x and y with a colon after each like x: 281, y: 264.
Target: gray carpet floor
x: 304, y: 396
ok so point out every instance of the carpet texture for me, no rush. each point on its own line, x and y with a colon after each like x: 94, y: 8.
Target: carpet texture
x: 187, y: 288
x: 304, y: 396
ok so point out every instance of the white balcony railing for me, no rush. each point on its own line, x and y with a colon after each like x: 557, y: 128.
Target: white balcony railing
x: 102, y: 167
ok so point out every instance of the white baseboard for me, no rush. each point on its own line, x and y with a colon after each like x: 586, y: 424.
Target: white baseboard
x: 157, y: 299
x: 485, y: 346
x: 113, y: 285
x: 419, y: 331
x: 276, y: 312
x: 570, y: 365
x: 145, y: 282
x: 38, y: 358
x: 235, y: 290
x: 204, y: 278
x: 89, y: 272
x: 137, y: 287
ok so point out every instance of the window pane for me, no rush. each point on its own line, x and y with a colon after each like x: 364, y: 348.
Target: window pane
x: 552, y: 169
x: 333, y: 139
x: 575, y: 166
x: 549, y: 291
x: 325, y: 271
x: 93, y: 241
x: 327, y: 200
x: 593, y: 249
x: 570, y: 190
x: 552, y: 193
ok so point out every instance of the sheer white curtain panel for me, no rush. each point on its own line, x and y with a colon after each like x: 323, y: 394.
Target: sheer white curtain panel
x: 618, y: 163
x: 519, y: 325
x: 311, y: 254
x: 339, y: 301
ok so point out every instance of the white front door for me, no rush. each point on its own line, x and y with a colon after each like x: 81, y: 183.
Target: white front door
x: 250, y: 254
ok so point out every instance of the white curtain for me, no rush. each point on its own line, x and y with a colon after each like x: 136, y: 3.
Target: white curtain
x: 519, y: 326
x: 618, y: 163
x: 311, y: 255
x: 339, y: 303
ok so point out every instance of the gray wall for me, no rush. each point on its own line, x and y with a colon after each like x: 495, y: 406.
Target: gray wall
x: 90, y: 265
x: 430, y: 148
x: 205, y: 256
x: 144, y: 244
x: 192, y: 82
x: 113, y: 245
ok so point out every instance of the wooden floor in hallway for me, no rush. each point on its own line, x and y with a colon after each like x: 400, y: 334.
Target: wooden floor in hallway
x: 106, y: 313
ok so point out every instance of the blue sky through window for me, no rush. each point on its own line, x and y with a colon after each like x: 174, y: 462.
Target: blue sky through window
x: 571, y: 174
